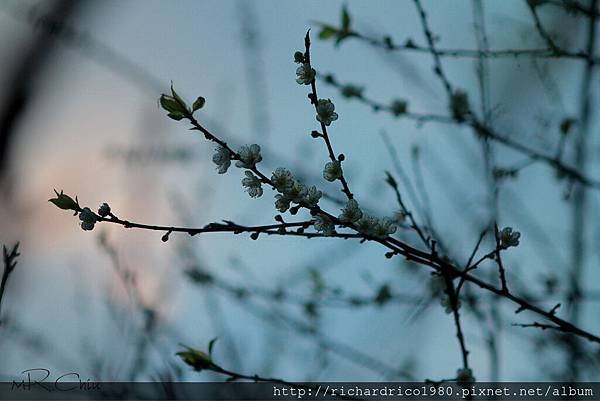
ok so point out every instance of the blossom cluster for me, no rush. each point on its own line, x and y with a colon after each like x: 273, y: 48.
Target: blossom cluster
x: 353, y: 216
x: 248, y: 157
x: 290, y: 190
x: 376, y: 227
x: 293, y: 191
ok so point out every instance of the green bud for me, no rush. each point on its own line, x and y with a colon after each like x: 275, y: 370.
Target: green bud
x: 178, y: 98
x: 176, y: 116
x: 198, y: 104
x: 170, y: 104
x: 196, y: 359
x: 64, y: 202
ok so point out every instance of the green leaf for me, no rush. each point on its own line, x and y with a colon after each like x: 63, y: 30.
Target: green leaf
x: 211, y: 344
x: 327, y: 32
x: 176, y: 116
x: 196, y: 359
x: 170, y: 104
x: 64, y: 202
x: 183, y: 106
x: 199, y: 103
x: 346, y: 19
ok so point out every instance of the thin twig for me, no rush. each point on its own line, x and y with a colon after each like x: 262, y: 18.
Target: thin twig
x: 483, y: 130
x: 10, y: 262
x: 227, y: 226
x: 537, y: 325
x: 454, y: 300
x: 386, y: 43
x: 498, y: 259
x: 438, y: 70
x: 314, y: 100
x: 395, y: 246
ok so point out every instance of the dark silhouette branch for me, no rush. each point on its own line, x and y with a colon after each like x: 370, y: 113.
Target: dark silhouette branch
x: 10, y: 262
x: 314, y: 98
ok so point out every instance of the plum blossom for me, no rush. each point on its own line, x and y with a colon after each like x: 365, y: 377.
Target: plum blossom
x: 249, y: 156
x: 252, y: 184
x: 351, y: 213
x: 325, y: 111
x: 222, y: 158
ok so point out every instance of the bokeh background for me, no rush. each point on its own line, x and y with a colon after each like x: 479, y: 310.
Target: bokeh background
x: 80, y: 114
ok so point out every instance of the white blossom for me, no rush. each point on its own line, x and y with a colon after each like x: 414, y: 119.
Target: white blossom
x: 297, y: 192
x: 222, y: 159
x: 306, y: 74
x: 313, y: 195
x: 351, y: 213
x: 282, y: 203
x: 323, y: 224
x: 325, y: 111
x: 384, y: 227
x: 282, y: 180
x: 332, y: 171
x: 252, y: 184
x: 249, y: 156
x: 509, y: 238
x: 366, y: 224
